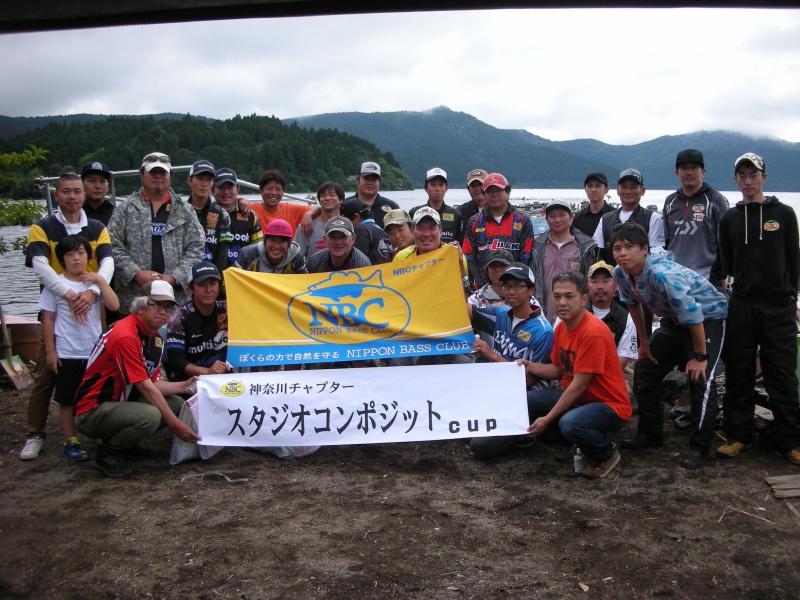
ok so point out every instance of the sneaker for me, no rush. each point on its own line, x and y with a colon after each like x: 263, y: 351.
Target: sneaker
x: 32, y: 448
x: 793, y: 456
x: 73, y: 451
x: 111, y: 464
x: 594, y: 469
x: 731, y: 449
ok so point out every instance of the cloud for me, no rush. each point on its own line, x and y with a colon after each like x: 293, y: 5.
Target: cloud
x: 618, y: 75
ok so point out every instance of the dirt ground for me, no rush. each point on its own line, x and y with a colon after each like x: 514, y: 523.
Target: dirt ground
x: 392, y: 521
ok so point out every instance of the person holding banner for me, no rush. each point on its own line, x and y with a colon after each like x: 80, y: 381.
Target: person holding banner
x: 428, y: 237
x: 277, y: 254
x: 340, y: 254
x: 519, y: 332
x: 121, y: 400
x: 592, y: 401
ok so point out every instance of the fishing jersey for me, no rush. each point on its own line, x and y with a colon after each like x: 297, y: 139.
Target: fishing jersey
x: 216, y: 224
x: 514, y: 233
x: 245, y: 230
x: 379, y: 207
x: 531, y: 339
x: 125, y: 354
x: 194, y: 338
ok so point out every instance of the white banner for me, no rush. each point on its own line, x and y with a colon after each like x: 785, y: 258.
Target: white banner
x: 362, y: 406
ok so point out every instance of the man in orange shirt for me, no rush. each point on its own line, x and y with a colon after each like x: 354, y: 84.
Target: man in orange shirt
x: 593, y: 399
x: 271, y: 185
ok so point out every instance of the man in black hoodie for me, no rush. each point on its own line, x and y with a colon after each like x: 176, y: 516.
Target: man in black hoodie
x: 760, y: 248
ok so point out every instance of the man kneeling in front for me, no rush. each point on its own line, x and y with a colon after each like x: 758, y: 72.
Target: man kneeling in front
x: 121, y: 400
x: 593, y: 399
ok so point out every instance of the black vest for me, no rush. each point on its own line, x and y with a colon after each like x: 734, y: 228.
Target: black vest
x: 641, y: 216
x: 616, y: 319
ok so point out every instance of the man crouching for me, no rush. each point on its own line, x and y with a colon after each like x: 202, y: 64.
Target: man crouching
x: 593, y: 399
x: 121, y: 400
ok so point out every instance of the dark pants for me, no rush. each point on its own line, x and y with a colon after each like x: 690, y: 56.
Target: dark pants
x: 671, y: 345
x: 586, y: 426
x: 773, y: 329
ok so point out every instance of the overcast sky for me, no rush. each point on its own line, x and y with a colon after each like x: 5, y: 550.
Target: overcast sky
x: 618, y: 75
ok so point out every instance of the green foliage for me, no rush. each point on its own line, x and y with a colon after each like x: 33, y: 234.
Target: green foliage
x: 20, y: 212
x: 13, y: 163
x: 19, y: 243
x: 249, y: 145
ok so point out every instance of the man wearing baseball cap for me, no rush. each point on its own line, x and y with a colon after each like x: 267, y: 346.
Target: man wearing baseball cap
x: 519, y: 332
x: 596, y: 187
x: 477, y: 197
x: 560, y: 249
x: 96, y: 176
x: 498, y: 226
x: 630, y: 189
x: 370, y: 239
x: 436, y: 188
x: 340, y: 255
x: 197, y: 332
x: 602, y: 290
x: 759, y: 247
x: 245, y: 229
x: 427, y: 230
x: 397, y: 225
x: 121, y: 399
x: 368, y: 183
x: 216, y: 221
x: 691, y: 217
x: 155, y: 234
x: 276, y: 254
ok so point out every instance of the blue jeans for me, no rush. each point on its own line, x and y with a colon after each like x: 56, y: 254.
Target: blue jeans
x: 585, y: 426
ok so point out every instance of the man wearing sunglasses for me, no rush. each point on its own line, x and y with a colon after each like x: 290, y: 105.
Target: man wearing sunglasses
x: 155, y: 235
x: 121, y: 399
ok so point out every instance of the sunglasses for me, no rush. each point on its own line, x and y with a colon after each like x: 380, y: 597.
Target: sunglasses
x: 627, y: 227
x: 154, y: 158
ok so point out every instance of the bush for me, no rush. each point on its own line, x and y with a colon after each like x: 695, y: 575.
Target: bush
x: 20, y: 212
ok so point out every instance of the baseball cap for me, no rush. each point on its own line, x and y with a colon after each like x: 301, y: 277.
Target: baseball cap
x: 558, y: 204
x: 278, y: 228
x: 340, y: 224
x: 156, y: 160
x: 354, y: 206
x: 159, y: 290
x: 202, y: 271
x: 202, y: 166
x: 427, y: 211
x: 436, y: 172
x: 95, y: 167
x: 225, y: 175
x: 519, y: 271
x: 631, y: 174
x: 754, y: 159
x: 599, y: 176
x: 501, y: 256
x: 600, y: 266
x: 370, y: 168
x: 496, y: 180
x: 396, y: 217
x: 476, y: 175
x: 689, y: 156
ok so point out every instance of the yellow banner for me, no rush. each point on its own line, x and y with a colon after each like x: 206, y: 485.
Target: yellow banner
x: 408, y: 308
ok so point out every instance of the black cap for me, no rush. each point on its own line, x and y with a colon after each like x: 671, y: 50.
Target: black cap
x: 519, y: 271
x: 204, y: 270
x: 225, y: 175
x: 631, y: 174
x: 501, y: 256
x: 354, y: 206
x: 689, y: 156
x: 599, y: 176
x: 202, y: 166
x: 95, y: 167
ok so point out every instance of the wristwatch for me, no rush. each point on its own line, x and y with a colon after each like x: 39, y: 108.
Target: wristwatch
x: 700, y: 356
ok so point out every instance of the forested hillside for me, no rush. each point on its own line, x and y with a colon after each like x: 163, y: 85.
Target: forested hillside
x: 246, y: 144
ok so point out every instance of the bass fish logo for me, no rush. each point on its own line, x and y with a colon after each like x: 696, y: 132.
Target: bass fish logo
x: 232, y: 388
x: 346, y: 309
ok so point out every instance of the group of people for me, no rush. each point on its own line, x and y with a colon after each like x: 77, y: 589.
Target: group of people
x: 574, y: 305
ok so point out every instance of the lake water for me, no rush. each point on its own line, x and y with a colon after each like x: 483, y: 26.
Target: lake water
x: 20, y: 289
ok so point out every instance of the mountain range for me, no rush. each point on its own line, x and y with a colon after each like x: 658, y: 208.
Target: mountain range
x: 458, y: 142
